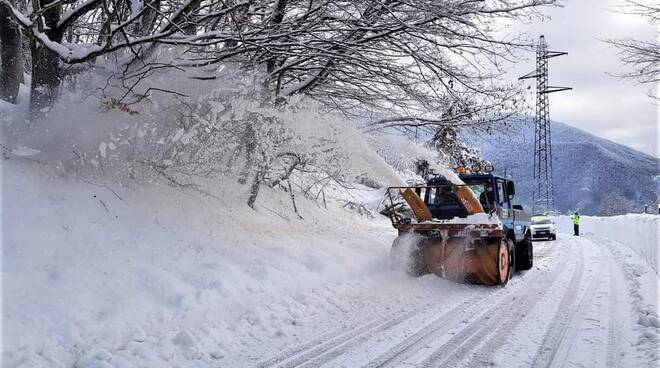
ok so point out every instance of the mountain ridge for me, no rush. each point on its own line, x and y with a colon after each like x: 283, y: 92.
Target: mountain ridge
x: 611, y: 178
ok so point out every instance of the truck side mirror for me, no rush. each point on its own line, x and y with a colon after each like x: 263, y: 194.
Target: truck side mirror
x: 510, y: 188
x: 518, y: 207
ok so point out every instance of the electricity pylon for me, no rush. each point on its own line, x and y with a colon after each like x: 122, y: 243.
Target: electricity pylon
x: 543, y: 194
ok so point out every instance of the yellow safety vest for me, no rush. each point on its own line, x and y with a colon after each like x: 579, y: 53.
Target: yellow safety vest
x: 576, y: 219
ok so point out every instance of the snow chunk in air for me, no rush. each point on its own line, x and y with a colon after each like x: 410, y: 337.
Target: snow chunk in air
x: 24, y: 151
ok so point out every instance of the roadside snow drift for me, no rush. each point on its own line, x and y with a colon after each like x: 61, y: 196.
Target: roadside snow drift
x: 90, y: 269
x: 640, y: 232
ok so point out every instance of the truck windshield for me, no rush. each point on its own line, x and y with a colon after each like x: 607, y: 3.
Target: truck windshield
x: 443, y: 195
x: 541, y: 221
x: 483, y: 191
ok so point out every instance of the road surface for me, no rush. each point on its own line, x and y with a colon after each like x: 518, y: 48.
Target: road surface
x: 572, y: 309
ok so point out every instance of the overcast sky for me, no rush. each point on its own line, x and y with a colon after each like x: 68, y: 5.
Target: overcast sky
x: 606, y: 106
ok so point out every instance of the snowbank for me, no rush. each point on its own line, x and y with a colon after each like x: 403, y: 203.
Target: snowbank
x: 637, y: 231
x: 99, y: 276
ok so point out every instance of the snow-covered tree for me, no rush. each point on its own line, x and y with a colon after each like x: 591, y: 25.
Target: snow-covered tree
x: 642, y: 55
x: 453, y: 152
x: 411, y: 63
x: 67, y: 36
x: 422, y: 62
x: 430, y: 56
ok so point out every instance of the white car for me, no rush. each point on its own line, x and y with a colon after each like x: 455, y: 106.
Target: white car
x: 542, y: 227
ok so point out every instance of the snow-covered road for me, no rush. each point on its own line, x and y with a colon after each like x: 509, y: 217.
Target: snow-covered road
x: 570, y: 310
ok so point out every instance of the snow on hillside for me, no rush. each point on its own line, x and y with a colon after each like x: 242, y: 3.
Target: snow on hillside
x: 591, y: 174
x: 156, y: 274
x: 106, y: 263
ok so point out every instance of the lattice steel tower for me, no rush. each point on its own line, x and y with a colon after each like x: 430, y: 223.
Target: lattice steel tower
x: 543, y: 194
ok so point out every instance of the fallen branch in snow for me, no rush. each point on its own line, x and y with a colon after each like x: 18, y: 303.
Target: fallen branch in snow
x: 104, y: 206
x: 277, y: 213
x: 293, y: 199
x: 360, y: 208
x: 102, y: 186
x: 160, y: 169
x: 289, y: 170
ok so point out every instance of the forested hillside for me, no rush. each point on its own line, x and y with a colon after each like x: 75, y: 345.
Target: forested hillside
x: 593, y: 175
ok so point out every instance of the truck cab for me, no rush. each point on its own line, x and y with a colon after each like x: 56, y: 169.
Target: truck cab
x: 495, y: 194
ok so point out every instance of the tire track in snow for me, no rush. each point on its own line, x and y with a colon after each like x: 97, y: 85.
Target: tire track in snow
x: 436, y: 329
x: 620, y: 281
x: 543, y: 251
x: 614, y: 324
x: 329, y: 346
x: 491, y: 327
x: 404, y: 348
x: 488, y: 346
x: 319, y: 341
x: 564, y: 327
x: 318, y: 360
x: 492, y: 336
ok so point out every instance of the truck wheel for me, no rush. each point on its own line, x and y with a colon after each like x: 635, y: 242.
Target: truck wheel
x: 525, y: 255
x: 406, y: 255
x: 503, y: 263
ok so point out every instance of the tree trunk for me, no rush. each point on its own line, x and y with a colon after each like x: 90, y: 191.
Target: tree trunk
x: 256, y: 184
x: 46, y: 78
x: 278, y: 16
x: 46, y: 68
x: 250, y: 143
x: 148, y: 21
x: 11, y: 56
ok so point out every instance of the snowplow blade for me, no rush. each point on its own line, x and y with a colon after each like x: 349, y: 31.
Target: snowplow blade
x: 476, y: 254
x: 456, y: 261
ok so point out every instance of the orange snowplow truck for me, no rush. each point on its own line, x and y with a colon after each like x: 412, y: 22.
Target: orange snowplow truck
x: 468, y: 232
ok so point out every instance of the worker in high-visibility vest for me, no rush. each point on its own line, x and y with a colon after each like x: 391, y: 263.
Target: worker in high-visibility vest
x: 576, y: 223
